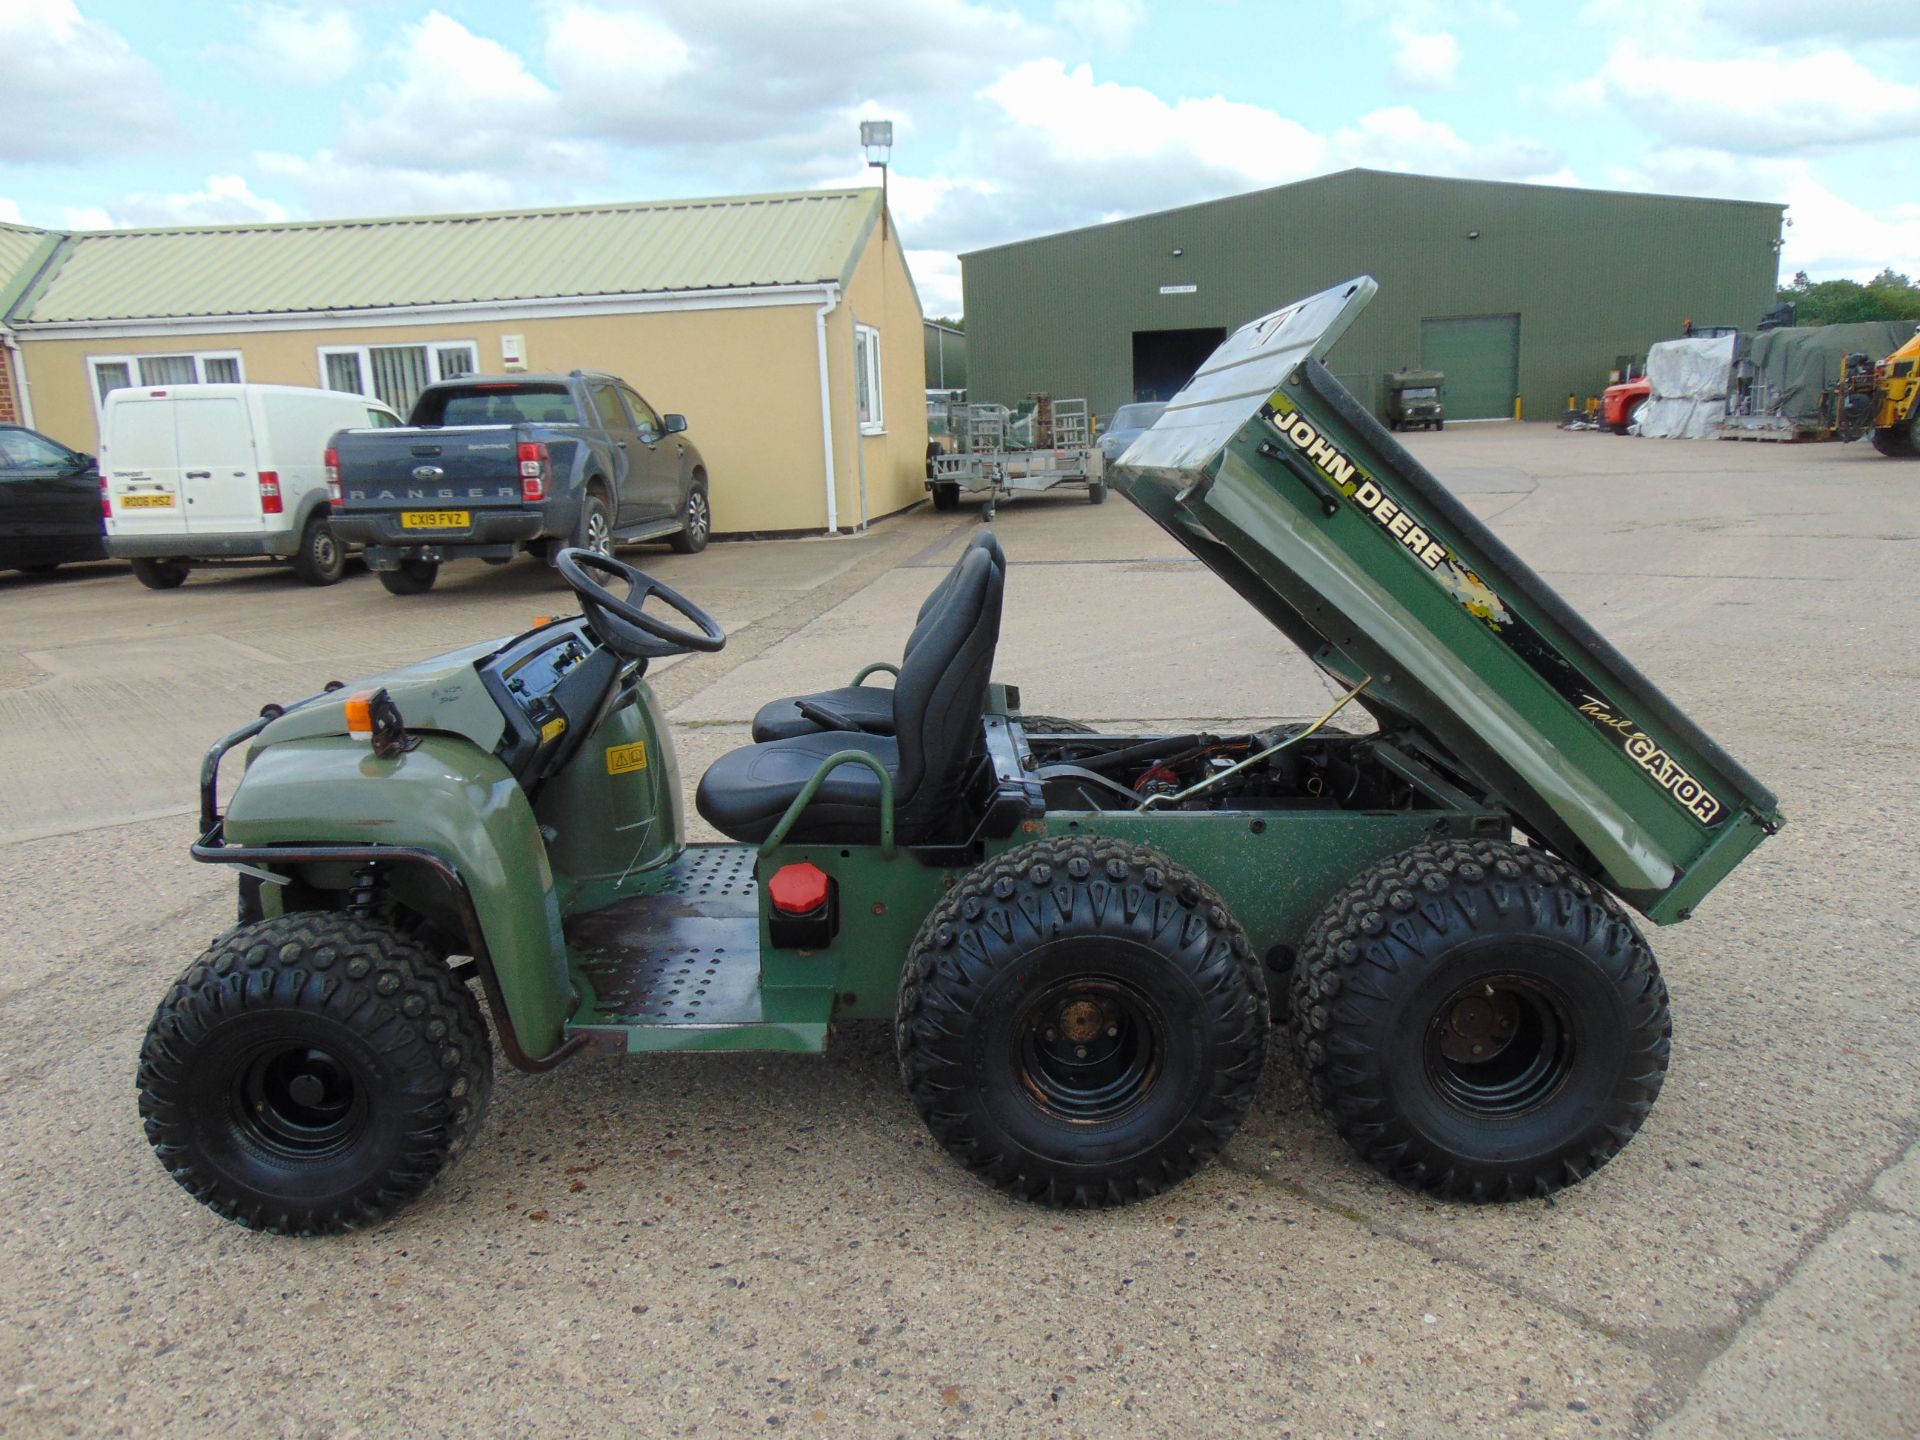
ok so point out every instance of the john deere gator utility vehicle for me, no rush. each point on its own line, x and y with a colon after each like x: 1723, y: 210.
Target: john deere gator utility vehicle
x: 1074, y: 934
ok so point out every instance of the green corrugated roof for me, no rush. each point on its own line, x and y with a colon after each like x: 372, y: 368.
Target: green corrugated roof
x: 647, y: 248
x: 22, y: 251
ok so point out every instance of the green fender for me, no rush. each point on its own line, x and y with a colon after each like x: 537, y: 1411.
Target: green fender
x: 449, y: 797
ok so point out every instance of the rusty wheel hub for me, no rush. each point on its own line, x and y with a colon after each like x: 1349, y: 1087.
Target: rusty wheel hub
x: 1479, y: 1027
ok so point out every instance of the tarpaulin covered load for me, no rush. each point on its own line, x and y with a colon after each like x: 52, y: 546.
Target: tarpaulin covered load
x: 1791, y: 368
x: 1690, y: 380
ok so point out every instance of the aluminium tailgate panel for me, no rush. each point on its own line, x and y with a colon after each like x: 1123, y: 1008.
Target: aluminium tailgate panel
x: 1275, y: 477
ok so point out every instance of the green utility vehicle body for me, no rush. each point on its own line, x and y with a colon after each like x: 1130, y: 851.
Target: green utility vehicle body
x: 1072, y: 939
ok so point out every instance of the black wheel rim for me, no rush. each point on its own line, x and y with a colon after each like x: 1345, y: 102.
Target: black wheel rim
x: 1089, y: 1049
x: 297, y: 1102
x: 1500, y: 1045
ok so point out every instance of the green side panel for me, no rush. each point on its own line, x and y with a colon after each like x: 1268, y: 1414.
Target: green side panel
x: 1480, y: 356
x: 614, y: 812
x: 445, y: 796
x: 1276, y: 871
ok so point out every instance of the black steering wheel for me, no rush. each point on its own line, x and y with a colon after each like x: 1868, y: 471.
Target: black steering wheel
x: 622, y: 625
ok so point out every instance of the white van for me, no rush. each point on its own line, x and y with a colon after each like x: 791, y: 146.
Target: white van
x: 213, y: 472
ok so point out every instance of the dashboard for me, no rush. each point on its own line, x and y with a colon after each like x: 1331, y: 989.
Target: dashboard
x: 549, y: 684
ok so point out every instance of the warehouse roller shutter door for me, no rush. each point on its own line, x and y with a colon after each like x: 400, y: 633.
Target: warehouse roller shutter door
x: 1480, y: 356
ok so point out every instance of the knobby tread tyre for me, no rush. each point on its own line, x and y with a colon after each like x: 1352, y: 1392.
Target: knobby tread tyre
x: 1406, y: 920
x: 411, y: 1035
x: 998, y: 935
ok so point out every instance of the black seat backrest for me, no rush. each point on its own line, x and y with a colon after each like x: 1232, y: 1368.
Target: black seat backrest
x: 941, y: 695
x: 983, y: 540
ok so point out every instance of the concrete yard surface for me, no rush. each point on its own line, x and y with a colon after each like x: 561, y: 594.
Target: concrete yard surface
x: 744, y: 1244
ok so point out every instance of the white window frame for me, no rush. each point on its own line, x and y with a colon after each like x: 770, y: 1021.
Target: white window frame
x: 364, y: 354
x: 132, y: 362
x: 866, y: 353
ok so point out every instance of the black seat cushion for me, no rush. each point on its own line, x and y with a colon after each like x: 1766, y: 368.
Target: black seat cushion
x: 746, y: 791
x: 864, y: 707
x: 870, y: 707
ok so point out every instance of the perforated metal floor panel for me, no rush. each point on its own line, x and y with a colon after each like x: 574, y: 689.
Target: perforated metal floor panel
x: 679, y: 968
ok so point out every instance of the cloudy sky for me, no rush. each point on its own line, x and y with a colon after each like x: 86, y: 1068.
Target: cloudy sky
x: 1012, y: 117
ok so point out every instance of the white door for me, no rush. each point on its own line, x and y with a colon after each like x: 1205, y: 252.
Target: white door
x: 218, y: 477
x: 142, y: 466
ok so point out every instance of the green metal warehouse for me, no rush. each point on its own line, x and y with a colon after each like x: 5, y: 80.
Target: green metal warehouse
x: 1527, y: 292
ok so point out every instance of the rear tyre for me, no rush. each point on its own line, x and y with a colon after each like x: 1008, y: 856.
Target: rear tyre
x: 696, y: 521
x: 313, y: 1073
x: 319, y: 560
x: 412, y: 577
x: 595, y: 528
x: 160, y: 574
x: 946, y: 496
x: 1097, y: 492
x: 1081, y: 1022
x: 1479, y: 1020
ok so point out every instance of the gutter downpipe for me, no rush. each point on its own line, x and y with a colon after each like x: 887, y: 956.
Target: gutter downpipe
x: 826, y: 405
x: 22, y: 387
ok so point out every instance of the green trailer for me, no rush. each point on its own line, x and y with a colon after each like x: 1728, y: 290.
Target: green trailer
x: 1082, y: 940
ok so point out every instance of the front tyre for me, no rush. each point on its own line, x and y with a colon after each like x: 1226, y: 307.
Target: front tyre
x: 319, y: 560
x: 313, y: 1073
x: 1081, y: 1022
x: 1479, y: 1020
x: 696, y: 521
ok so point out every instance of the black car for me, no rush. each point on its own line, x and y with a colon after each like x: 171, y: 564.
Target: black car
x: 49, y: 503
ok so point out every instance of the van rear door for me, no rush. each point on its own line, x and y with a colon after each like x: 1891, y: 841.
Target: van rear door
x: 218, y: 475
x: 142, y: 466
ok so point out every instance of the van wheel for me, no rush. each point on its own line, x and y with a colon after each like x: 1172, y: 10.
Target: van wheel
x: 414, y: 577
x: 160, y: 574
x: 319, y: 560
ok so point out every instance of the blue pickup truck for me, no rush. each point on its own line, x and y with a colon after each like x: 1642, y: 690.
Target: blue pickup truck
x: 490, y: 465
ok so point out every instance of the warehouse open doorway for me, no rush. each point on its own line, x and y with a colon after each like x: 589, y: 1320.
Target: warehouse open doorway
x: 1164, y: 360
x: 1480, y: 356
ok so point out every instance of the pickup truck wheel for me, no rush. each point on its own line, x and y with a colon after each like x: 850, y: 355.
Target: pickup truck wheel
x: 319, y: 560
x: 160, y: 574
x: 1081, y: 1022
x: 313, y: 1073
x: 413, y: 577
x: 595, y: 530
x: 1479, y: 1020
x: 696, y: 524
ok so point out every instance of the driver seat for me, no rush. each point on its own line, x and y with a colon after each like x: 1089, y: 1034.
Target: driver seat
x: 938, y: 702
x: 865, y: 707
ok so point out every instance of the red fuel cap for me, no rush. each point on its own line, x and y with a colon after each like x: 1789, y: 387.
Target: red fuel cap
x: 798, y: 889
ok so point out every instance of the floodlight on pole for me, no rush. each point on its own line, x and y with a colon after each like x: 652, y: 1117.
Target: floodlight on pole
x: 876, y: 138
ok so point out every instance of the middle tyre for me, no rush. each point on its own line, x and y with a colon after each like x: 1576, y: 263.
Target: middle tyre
x: 1081, y: 1022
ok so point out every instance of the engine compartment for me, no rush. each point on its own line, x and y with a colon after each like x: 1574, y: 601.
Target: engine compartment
x: 1285, y: 767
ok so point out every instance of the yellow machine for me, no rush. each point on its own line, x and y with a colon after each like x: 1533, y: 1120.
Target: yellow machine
x: 1896, y: 394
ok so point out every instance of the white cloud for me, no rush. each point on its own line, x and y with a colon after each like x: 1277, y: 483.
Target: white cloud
x: 936, y: 275
x: 10, y: 211
x: 1100, y: 22
x: 1424, y: 59
x: 1401, y: 138
x: 226, y: 200
x: 333, y: 185
x: 75, y: 89
x: 88, y: 217
x: 1766, y: 102
x: 296, y: 45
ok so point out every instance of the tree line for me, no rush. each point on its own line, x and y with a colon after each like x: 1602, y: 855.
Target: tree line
x: 1887, y: 296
